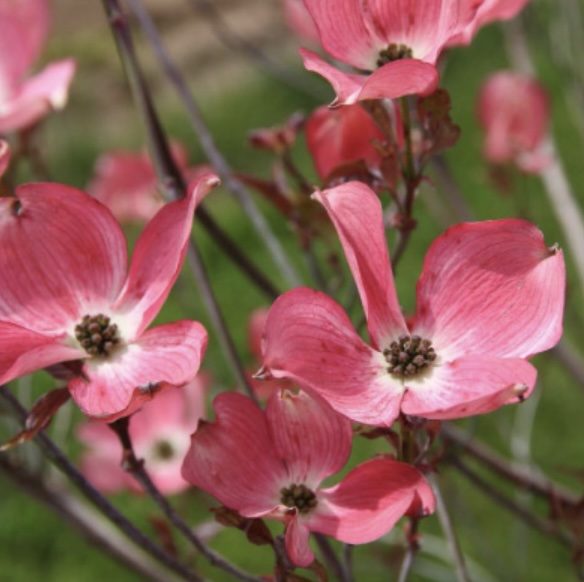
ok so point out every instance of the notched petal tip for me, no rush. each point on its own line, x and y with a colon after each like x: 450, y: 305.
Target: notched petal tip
x: 554, y: 249
x: 202, y: 185
x: 264, y: 373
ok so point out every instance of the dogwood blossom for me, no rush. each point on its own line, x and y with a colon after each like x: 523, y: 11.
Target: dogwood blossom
x: 490, y: 296
x: 396, y: 43
x: 271, y: 464
x: 160, y: 433
x: 66, y: 296
x: 23, y: 31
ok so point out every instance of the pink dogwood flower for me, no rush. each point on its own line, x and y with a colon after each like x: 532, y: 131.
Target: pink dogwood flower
x: 160, y: 433
x: 271, y: 464
x: 395, y: 42
x: 513, y: 109
x: 23, y: 31
x: 341, y: 136
x: 489, y: 11
x: 490, y: 296
x: 300, y: 22
x: 66, y: 295
x: 126, y: 183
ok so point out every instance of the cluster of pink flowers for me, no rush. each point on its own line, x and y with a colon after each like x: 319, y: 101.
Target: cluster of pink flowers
x: 490, y: 295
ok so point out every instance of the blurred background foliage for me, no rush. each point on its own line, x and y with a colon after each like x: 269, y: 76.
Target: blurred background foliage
x: 236, y: 96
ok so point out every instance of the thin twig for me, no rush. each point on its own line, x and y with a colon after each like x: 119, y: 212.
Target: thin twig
x: 255, y: 55
x: 56, y: 456
x: 215, y: 157
x: 330, y: 557
x: 412, y: 550
x: 553, y: 176
x: 526, y: 479
x: 135, y: 466
x: 544, y: 526
x: 171, y: 179
x: 448, y: 529
x: 88, y: 523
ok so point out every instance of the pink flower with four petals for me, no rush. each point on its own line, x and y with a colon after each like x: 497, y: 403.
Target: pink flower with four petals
x: 490, y: 296
x: 66, y: 296
x: 271, y: 464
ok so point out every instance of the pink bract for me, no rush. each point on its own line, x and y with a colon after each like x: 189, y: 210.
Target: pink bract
x: 299, y: 21
x: 514, y: 111
x: 396, y: 42
x: 489, y: 11
x: 160, y: 433
x: 491, y: 295
x: 66, y: 295
x: 23, y: 30
x: 126, y: 183
x: 341, y: 136
x: 263, y: 463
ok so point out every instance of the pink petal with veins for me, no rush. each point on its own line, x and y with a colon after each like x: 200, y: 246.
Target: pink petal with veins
x: 52, y: 269
x: 313, y: 438
x: 309, y: 339
x: 218, y: 460
x: 170, y: 353
x: 358, y: 218
x: 368, y: 502
x: 468, y: 386
x: 159, y: 254
x: 492, y: 288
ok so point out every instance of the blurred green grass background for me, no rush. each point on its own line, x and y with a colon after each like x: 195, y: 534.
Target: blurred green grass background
x: 36, y: 545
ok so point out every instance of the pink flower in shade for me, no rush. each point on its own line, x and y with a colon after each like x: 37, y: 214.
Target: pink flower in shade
x: 342, y: 136
x: 127, y: 184
x: 271, y: 464
x: 397, y: 41
x: 300, y: 22
x: 66, y: 295
x: 160, y: 433
x: 491, y: 295
x: 514, y: 111
x: 23, y: 102
x: 489, y: 11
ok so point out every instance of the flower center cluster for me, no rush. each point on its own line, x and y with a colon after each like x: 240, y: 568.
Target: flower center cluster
x: 97, y: 336
x: 298, y: 496
x: 163, y: 450
x: 394, y: 52
x: 409, y: 355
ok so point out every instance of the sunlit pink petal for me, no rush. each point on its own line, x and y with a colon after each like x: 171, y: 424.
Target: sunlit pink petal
x: 367, y: 503
x: 52, y: 269
x: 168, y: 353
x: 297, y: 547
x: 341, y: 136
x: 468, y: 386
x: 159, y: 254
x: 489, y: 11
x: 357, y: 215
x: 326, y: 436
x: 23, y: 351
x: 343, y: 33
x: 309, y: 338
x: 23, y: 24
x: 219, y: 458
x: 47, y: 91
x: 491, y: 288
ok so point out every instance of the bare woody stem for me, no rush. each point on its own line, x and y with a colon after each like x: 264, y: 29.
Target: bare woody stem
x: 172, y: 180
x: 58, y: 458
x: 135, y: 466
x: 89, y: 523
x: 237, y: 189
x: 411, y: 551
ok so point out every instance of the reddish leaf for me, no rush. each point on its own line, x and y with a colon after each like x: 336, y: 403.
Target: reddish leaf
x: 39, y: 417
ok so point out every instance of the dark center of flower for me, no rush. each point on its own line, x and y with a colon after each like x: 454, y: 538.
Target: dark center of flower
x: 394, y: 52
x: 97, y: 336
x: 163, y: 450
x: 298, y: 496
x: 409, y: 355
